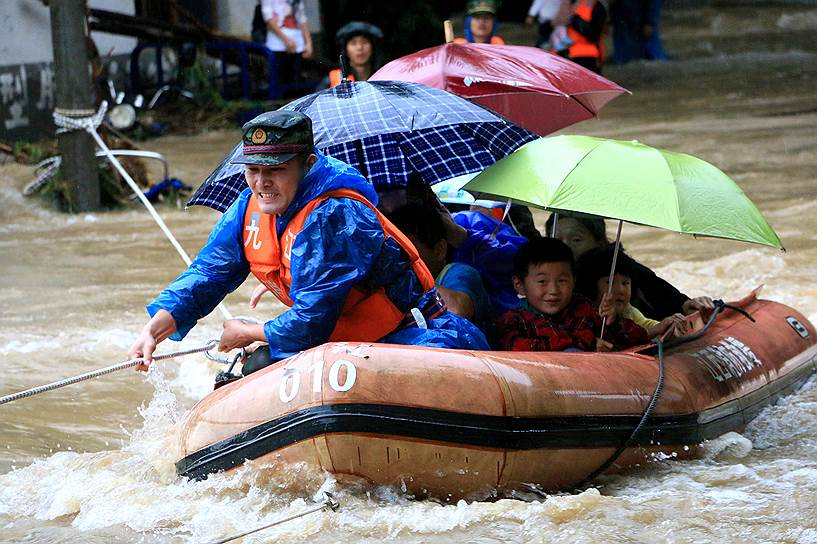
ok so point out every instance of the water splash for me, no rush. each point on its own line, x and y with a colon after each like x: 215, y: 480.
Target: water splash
x: 137, y: 488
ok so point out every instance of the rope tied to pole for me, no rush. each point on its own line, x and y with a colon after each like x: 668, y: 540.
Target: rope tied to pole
x: 68, y: 120
x: 106, y: 370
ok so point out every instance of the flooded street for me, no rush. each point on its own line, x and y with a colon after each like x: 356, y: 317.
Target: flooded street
x: 93, y: 462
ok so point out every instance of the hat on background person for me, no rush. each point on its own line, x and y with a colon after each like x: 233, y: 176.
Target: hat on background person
x: 482, y: 6
x: 275, y: 137
x: 357, y: 28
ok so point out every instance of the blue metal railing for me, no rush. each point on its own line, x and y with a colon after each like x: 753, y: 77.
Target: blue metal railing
x: 226, y: 53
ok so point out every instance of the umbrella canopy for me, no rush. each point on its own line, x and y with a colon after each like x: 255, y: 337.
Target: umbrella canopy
x: 390, y: 131
x: 537, y: 90
x: 628, y: 181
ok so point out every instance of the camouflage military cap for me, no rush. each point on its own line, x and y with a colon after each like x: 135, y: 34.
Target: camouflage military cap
x: 482, y: 6
x: 275, y: 137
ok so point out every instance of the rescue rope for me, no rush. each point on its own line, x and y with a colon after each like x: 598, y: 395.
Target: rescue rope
x: 103, y: 371
x: 328, y: 502
x: 68, y: 120
x: 43, y: 172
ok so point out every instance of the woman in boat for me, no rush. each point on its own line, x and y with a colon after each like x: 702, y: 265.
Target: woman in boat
x: 655, y: 297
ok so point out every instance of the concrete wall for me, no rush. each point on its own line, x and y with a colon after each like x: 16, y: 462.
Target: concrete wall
x: 25, y: 31
x: 26, y: 67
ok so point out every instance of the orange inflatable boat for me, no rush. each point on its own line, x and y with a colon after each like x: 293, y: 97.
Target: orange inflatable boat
x: 454, y: 424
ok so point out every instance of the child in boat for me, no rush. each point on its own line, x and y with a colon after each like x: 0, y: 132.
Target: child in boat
x: 553, y: 317
x: 655, y: 297
x: 594, y: 277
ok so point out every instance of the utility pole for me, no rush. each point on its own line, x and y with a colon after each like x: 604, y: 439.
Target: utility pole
x: 74, y: 92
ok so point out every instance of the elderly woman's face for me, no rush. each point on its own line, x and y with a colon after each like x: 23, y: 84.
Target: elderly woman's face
x: 576, y: 236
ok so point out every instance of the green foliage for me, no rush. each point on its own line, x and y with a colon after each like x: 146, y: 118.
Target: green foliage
x: 198, y: 80
x: 56, y: 192
x: 31, y: 152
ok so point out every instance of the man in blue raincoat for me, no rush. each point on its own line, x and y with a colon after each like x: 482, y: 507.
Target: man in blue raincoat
x: 308, y: 229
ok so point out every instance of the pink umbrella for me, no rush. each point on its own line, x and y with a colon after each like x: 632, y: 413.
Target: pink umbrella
x: 533, y: 88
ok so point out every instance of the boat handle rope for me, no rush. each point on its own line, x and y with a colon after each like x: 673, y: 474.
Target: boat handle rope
x: 88, y: 120
x: 206, y: 348
x: 720, y: 306
x: 328, y: 502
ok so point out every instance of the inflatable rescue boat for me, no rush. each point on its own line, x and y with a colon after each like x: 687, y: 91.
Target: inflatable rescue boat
x: 455, y: 424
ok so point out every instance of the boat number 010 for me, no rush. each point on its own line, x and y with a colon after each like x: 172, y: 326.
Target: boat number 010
x: 291, y: 380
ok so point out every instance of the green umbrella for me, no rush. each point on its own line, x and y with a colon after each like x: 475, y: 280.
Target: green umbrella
x: 628, y: 181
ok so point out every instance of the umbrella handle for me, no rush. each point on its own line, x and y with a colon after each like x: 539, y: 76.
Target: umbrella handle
x: 612, y: 273
x: 448, y: 28
x: 344, y: 67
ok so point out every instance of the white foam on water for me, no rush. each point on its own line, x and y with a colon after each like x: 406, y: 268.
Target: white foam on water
x: 137, y: 487
x: 730, y: 445
x: 106, y: 339
x: 30, y: 346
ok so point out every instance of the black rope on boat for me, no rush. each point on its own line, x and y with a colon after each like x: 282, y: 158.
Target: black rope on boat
x: 720, y: 306
x: 741, y: 311
x: 659, y: 387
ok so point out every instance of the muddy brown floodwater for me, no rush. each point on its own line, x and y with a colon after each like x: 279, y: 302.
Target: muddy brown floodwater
x: 94, y: 462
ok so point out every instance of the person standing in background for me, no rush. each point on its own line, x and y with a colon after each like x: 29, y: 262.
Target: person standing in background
x: 287, y: 35
x: 357, y: 40
x: 653, y: 48
x: 628, y: 21
x: 481, y: 23
x: 636, y: 31
x: 543, y: 12
x: 584, y: 21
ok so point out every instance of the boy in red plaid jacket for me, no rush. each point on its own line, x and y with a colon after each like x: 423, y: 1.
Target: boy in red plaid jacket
x: 553, y: 317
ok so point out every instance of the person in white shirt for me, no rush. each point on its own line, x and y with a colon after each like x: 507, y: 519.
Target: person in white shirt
x: 287, y: 35
x: 543, y: 12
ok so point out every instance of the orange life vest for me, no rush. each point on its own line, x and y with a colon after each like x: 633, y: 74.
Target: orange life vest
x: 582, y: 47
x: 336, y: 76
x: 366, y: 316
x: 495, y: 40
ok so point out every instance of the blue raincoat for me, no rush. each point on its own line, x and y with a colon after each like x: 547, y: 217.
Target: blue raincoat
x: 492, y: 256
x: 341, y: 245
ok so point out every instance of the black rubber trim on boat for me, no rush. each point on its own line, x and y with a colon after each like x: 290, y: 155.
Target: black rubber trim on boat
x: 511, y: 433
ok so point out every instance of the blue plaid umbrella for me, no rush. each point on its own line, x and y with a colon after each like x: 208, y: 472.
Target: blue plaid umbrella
x: 389, y: 131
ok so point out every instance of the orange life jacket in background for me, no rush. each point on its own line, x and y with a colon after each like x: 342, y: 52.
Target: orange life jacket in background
x: 495, y: 40
x: 496, y: 213
x: 582, y: 47
x: 336, y: 76
x: 366, y: 316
